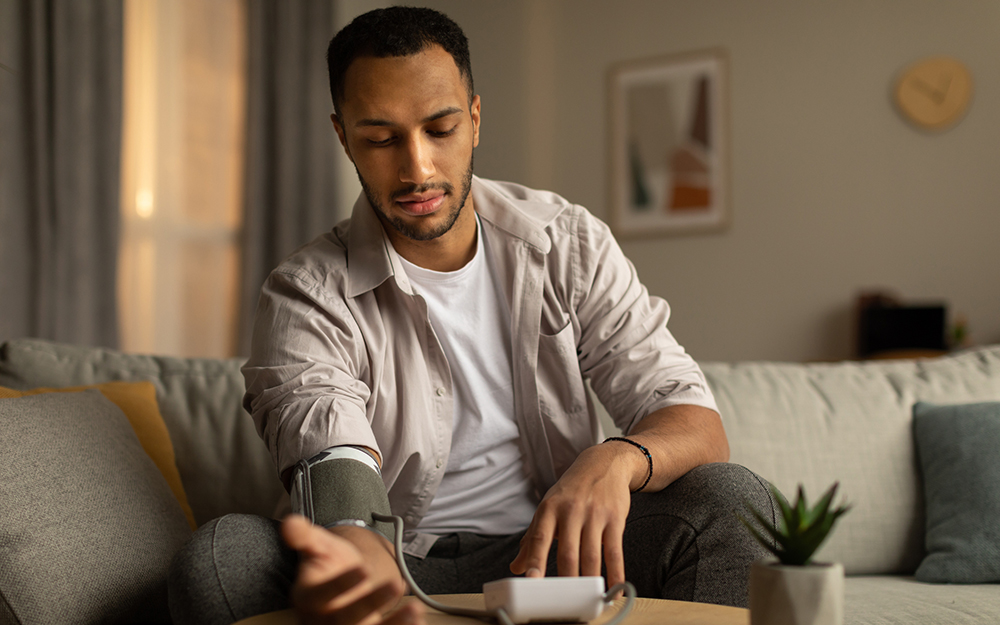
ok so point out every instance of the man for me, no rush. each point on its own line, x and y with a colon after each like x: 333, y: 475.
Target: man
x: 446, y: 330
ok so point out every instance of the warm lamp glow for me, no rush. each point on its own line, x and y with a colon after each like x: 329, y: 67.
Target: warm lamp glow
x: 144, y: 203
x: 182, y: 139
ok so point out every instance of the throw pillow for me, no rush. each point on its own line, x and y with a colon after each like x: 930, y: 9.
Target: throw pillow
x: 957, y: 449
x: 138, y: 401
x: 88, y: 525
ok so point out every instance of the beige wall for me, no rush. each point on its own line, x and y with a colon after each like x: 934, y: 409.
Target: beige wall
x: 832, y: 191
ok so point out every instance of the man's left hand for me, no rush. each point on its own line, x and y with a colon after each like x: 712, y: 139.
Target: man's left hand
x: 585, y: 511
x: 586, y: 508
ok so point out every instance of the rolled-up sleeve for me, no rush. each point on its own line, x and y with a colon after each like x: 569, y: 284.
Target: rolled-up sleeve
x: 634, y: 364
x: 304, y: 376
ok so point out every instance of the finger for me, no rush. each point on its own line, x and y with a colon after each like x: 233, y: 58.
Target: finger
x: 568, y: 556
x: 534, y: 553
x: 297, y: 530
x: 331, y: 572
x: 313, y: 540
x: 590, y: 549
x: 614, y: 559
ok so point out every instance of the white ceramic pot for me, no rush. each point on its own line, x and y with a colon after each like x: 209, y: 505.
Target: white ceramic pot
x: 796, y: 595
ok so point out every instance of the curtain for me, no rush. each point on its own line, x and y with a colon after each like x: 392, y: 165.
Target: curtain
x: 290, y: 187
x: 60, y: 135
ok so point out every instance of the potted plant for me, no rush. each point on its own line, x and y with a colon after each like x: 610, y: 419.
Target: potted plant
x: 794, y: 590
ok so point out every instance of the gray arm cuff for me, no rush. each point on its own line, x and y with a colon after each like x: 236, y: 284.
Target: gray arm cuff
x: 332, y: 490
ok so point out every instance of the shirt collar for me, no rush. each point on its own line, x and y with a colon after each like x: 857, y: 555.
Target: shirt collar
x: 509, y: 208
x: 371, y: 259
x: 369, y: 253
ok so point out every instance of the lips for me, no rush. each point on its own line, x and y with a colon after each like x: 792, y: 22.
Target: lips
x: 421, y: 203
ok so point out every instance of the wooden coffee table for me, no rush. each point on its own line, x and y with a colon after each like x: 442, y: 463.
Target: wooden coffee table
x: 644, y: 612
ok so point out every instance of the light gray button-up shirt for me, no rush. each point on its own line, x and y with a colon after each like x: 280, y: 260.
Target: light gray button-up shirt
x: 344, y: 354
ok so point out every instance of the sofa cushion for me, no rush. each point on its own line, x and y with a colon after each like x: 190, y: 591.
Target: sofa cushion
x: 138, y: 401
x: 959, y: 451
x: 223, y: 464
x: 88, y: 525
x: 849, y: 422
x: 891, y: 600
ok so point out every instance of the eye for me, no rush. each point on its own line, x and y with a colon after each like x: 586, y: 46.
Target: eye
x: 380, y: 142
x: 443, y: 133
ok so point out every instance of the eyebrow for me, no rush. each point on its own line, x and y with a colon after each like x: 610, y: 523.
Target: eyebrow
x: 433, y: 117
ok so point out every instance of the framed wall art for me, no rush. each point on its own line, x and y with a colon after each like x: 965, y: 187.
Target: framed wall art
x: 669, y: 135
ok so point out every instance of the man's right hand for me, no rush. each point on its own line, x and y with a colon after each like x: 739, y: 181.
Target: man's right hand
x: 346, y: 577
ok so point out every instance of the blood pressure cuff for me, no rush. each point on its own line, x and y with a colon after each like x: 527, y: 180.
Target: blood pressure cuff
x: 341, y: 484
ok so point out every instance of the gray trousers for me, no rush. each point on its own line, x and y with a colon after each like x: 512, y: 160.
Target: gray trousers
x: 684, y: 542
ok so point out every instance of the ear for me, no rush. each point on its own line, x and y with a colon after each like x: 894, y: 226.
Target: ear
x: 474, y: 110
x: 341, y: 135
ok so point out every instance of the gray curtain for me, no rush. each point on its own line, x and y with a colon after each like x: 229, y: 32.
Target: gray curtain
x: 290, y: 183
x: 60, y: 143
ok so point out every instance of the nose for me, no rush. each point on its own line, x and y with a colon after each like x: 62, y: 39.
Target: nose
x: 417, y: 164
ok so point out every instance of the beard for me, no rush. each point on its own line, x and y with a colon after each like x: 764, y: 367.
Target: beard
x: 410, y: 231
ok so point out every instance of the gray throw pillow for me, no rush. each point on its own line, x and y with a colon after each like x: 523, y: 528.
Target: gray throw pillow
x: 959, y: 453
x: 223, y: 464
x: 88, y: 525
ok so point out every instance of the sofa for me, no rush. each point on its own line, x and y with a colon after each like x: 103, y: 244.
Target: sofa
x: 87, y: 530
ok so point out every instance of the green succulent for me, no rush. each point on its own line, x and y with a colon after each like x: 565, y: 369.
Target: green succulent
x: 803, y: 529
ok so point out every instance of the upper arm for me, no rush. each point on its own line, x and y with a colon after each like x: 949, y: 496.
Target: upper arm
x: 305, y: 378
x: 634, y: 364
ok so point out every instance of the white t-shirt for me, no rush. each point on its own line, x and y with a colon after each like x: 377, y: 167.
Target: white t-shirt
x: 486, y: 488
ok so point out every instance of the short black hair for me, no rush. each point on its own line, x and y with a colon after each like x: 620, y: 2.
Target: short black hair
x: 395, y: 31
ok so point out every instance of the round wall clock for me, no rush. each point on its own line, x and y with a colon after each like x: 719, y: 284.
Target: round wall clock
x: 934, y: 93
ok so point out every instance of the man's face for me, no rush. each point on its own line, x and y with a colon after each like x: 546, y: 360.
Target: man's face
x: 407, y: 126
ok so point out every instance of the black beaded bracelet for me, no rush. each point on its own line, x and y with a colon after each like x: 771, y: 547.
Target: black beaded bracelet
x: 649, y: 458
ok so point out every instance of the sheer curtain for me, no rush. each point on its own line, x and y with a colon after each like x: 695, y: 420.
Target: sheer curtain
x: 290, y: 188
x: 182, y: 176
x: 60, y: 131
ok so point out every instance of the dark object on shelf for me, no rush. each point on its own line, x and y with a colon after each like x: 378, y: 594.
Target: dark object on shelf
x: 885, y: 326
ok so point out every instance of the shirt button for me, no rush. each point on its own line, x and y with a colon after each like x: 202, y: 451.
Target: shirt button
x: 440, y: 391
x: 439, y: 463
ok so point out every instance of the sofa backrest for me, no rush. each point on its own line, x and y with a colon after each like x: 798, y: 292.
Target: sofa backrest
x: 223, y: 463
x: 791, y: 423
x: 849, y: 422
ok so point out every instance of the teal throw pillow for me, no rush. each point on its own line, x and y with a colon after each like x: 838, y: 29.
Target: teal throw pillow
x: 958, y: 448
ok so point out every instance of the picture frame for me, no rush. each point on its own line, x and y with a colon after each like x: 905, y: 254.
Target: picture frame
x: 669, y: 145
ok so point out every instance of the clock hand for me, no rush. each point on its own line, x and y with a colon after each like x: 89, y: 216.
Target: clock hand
x: 934, y: 94
x: 947, y: 84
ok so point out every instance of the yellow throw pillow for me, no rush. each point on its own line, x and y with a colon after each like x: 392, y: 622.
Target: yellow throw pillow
x: 138, y: 401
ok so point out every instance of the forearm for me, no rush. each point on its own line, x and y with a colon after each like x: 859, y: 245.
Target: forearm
x: 679, y: 438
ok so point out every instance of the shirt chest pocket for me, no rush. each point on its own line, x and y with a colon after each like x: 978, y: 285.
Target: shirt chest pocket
x: 561, y: 390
